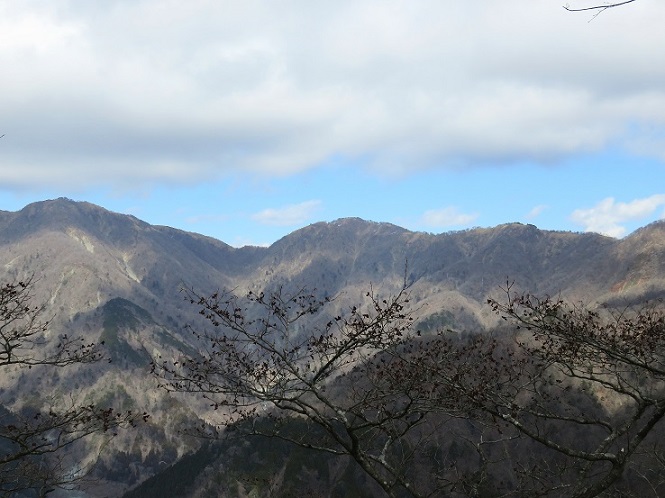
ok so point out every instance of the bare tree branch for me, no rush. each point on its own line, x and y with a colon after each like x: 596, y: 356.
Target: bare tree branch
x: 564, y: 404
x: 257, y: 367
x: 35, y: 444
x: 598, y: 7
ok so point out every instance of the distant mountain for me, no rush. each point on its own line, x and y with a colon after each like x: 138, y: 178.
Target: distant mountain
x: 114, y: 278
x: 103, y: 255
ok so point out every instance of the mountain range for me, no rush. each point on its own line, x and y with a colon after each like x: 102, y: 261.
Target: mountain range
x: 111, y: 277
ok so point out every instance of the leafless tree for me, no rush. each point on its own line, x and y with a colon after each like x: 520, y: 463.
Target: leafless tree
x: 588, y: 386
x: 23, y: 330
x: 566, y: 405
x: 278, y: 355
x: 35, y: 443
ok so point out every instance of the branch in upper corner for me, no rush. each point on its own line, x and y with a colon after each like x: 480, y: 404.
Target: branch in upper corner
x: 599, y: 7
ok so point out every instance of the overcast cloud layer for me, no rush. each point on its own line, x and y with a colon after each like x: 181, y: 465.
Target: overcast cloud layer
x: 132, y: 93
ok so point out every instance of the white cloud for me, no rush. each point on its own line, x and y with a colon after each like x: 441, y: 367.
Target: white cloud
x: 295, y: 214
x: 125, y: 93
x: 536, y: 211
x: 447, y: 217
x: 608, y: 216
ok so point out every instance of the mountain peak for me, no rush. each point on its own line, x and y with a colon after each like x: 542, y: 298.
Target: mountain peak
x: 60, y: 204
x: 61, y: 214
x: 355, y: 223
x: 335, y: 235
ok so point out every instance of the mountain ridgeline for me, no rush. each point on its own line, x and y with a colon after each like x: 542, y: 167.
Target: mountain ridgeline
x: 115, y: 279
x: 85, y: 256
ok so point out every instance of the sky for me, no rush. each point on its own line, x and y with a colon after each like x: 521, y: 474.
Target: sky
x: 247, y: 120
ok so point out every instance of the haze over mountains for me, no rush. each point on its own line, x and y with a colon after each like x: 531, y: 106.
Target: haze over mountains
x: 115, y: 278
